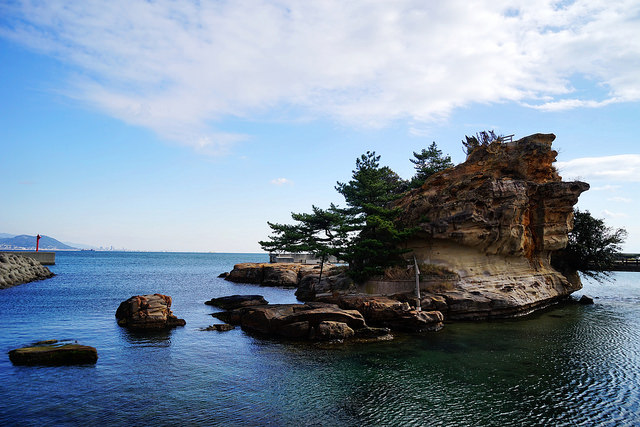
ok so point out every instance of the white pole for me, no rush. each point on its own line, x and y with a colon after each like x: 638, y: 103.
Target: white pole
x: 415, y: 263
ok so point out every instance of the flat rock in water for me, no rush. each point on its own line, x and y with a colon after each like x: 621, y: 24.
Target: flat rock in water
x: 236, y: 301
x: 54, y: 353
x: 147, y: 312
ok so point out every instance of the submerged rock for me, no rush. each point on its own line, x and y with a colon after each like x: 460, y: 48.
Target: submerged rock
x: 17, y: 270
x: 223, y: 327
x: 236, y: 301
x: 147, y: 312
x: 585, y: 300
x: 54, y: 352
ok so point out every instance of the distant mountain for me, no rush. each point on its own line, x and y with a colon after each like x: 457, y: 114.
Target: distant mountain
x: 24, y: 242
x: 3, y: 235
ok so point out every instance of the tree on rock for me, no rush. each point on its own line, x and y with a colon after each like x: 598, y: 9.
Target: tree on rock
x: 320, y: 233
x: 427, y: 162
x: 366, y: 233
x: 369, y: 220
x: 593, y: 247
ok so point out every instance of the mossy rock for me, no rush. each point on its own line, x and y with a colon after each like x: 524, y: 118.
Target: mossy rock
x: 54, y: 353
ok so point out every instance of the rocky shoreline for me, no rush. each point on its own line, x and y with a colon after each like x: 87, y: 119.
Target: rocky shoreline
x: 17, y: 270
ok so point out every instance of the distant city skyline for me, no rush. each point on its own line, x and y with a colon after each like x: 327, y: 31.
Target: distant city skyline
x: 187, y: 126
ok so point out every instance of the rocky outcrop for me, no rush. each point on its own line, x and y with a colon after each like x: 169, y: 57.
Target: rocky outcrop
x: 485, y: 233
x: 507, y: 199
x: 286, y: 275
x: 391, y: 313
x: 54, y: 352
x: 17, y: 269
x: 147, y: 312
x: 312, y: 321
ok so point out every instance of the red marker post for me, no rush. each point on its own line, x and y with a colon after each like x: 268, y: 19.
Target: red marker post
x: 38, y: 242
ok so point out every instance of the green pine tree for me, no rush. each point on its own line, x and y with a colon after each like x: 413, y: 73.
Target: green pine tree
x: 369, y: 220
x: 319, y: 233
x: 427, y: 162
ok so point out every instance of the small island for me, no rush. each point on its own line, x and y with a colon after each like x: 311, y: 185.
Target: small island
x: 479, y: 240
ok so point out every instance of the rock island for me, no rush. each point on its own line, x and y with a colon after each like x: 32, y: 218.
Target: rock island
x: 485, y: 233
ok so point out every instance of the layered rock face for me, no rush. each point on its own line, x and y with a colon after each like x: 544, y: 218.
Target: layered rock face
x: 16, y: 270
x: 147, y: 312
x: 493, y: 222
x: 506, y: 199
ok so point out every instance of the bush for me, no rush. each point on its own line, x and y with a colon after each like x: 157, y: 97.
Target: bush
x: 593, y: 247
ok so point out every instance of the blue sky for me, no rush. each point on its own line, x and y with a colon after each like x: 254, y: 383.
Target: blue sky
x: 188, y: 125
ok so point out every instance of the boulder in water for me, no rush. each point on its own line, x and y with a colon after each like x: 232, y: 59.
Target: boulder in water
x: 147, y: 312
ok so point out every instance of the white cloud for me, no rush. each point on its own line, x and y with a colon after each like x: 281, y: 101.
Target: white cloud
x: 610, y: 214
x: 607, y: 187
x: 180, y: 67
x: 620, y: 199
x: 281, y: 181
x: 568, y: 104
x: 623, y: 167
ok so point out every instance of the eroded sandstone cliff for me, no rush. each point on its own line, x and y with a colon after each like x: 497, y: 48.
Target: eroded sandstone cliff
x: 493, y: 221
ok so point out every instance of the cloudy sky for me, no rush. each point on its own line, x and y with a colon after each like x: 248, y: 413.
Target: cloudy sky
x: 180, y: 125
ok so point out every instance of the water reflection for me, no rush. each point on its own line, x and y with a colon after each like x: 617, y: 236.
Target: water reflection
x: 147, y: 338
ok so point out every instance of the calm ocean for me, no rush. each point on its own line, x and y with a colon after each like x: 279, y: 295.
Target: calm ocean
x: 569, y: 365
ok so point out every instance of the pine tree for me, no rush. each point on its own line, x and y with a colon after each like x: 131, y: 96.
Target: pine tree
x: 369, y: 220
x: 427, y: 162
x: 319, y: 233
x: 365, y: 233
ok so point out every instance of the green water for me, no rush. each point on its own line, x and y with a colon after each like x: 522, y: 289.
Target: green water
x: 568, y: 365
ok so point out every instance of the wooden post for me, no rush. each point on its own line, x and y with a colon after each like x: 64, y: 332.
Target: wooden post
x: 418, y: 304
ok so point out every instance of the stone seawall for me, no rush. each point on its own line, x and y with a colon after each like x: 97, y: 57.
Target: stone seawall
x: 17, y: 269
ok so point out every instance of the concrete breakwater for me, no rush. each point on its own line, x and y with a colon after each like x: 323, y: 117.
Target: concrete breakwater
x: 43, y: 257
x: 17, y: 269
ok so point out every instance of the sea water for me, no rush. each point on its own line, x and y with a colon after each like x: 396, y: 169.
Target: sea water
x: 567, y: 365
